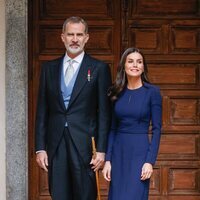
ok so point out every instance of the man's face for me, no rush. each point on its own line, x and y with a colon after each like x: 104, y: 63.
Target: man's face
x: 74, y: 38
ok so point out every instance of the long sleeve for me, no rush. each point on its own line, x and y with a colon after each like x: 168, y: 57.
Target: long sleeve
x: 111, y: 137
x: 104, y: 111
x: 41, y: 115
x: 156, y: 120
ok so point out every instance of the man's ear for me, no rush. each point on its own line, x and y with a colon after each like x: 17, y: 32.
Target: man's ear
x: 62, y: 37
x: 88, y: 37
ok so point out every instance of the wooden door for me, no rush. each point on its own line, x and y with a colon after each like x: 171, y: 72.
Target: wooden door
x: 168, y: 32
x: 46, y: 19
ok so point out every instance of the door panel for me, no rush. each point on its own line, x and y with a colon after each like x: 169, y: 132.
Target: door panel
x: 168, y: 32
x: 46, y: 18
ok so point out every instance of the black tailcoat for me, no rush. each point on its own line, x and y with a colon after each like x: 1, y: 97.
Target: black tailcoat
x: 87, y: 115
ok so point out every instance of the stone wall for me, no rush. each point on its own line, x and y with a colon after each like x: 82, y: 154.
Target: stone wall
x: 16, y: 77
x: 2, y: 102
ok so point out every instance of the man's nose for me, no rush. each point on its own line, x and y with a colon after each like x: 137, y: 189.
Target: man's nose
x: 75, y: 38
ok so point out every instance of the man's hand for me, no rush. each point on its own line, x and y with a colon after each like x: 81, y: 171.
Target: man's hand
x: 42, y: 160
x: 97, y: 160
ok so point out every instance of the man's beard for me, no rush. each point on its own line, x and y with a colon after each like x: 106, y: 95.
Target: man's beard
x: 74, y: 50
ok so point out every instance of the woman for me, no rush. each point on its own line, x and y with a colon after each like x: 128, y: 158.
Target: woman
x: 130, y: 154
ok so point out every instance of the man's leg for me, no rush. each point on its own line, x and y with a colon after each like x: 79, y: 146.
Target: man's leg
x: 59, y: 176
x: 83, y: 178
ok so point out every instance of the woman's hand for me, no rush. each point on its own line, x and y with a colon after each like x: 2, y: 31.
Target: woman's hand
x: 107, y: 171
x: 147, y: 171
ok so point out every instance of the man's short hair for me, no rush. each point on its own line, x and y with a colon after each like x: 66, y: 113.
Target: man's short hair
x: 74, y: 20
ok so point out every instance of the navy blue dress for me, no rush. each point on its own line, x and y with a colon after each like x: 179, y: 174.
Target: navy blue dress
x: 129, y: 146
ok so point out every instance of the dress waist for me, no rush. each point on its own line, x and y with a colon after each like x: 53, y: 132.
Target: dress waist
x: 131, y: 132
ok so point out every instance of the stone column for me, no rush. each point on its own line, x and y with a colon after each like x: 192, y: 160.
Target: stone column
x: 2, y: 102
x: 16, y: 100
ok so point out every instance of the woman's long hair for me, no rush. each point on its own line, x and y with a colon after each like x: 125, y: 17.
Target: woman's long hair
x: 121, y: 78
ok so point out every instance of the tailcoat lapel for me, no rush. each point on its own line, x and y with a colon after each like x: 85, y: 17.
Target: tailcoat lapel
x: 82, y: 77
x: 59, y: 74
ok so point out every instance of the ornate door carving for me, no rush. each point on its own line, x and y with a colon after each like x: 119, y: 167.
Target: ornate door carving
x: 168, y: 32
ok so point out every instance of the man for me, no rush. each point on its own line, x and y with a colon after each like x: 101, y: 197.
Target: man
x: 72, y: 107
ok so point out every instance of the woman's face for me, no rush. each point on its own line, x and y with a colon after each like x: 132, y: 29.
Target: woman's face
x: 134, y: 65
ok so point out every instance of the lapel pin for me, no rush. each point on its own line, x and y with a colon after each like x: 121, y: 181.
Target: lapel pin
x: 88, y: 75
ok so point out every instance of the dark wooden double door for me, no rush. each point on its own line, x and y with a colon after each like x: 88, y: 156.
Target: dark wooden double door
x: 168, y: 32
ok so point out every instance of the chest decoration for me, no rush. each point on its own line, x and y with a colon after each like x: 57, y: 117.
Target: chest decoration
x: 89, y: 75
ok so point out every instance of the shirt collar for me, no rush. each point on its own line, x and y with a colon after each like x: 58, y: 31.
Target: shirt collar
x: 77, y: 59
